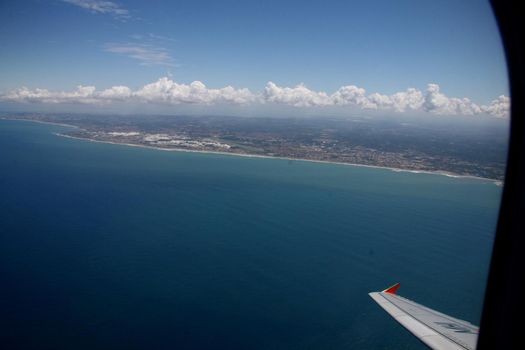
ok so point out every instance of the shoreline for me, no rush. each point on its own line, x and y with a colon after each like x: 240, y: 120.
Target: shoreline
x: 41, y: 122
x: 428, y: 172
x: 414, y: 171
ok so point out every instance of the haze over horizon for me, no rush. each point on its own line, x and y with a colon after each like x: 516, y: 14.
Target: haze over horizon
x: 75, y: 55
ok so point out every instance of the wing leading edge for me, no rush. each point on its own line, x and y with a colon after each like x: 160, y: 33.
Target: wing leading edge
x: 435, y: 329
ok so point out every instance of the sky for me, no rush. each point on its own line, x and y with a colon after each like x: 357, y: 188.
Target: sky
x: 303, y: 57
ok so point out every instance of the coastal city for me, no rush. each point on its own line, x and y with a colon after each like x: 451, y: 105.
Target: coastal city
x: 359, y: 141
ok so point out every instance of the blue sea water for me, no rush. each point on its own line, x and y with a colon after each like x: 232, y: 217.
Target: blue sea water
x: 115, y: 247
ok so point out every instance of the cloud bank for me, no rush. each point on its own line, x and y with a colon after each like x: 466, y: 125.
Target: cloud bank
x: 168, y: 92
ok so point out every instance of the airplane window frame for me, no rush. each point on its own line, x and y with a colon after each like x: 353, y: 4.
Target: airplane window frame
x: 504, y: 303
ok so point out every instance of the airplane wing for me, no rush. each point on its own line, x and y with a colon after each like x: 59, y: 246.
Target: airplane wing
x: 435, y: 329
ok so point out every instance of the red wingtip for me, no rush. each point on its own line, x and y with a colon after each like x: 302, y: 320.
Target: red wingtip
x: 393, y: 289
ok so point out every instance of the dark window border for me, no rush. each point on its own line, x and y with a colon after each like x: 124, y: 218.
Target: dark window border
x: 503, y: 312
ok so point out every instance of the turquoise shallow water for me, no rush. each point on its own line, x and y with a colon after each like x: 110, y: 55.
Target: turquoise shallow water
x: 114, y: 247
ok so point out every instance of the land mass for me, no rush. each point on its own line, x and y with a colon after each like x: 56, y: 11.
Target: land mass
x: 466, y: 150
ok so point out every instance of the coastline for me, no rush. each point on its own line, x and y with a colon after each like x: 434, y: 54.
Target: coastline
x: 430, y: 172
x: 41, y: 122
x: 437, y: 172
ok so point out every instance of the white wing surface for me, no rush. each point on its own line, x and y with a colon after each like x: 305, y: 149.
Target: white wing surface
x: 435, y: 329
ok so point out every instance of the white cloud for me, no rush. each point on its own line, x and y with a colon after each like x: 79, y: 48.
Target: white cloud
x: 500, y: 107
x: 352, y: 95
x: 102, y: 6
x: 432, y: 100
x: 411, y: 99
x: 146, y: 55
x: 116, y: 93
x: 438, y: 103
x: 168, y: 92
x: 299, y: 96
x: 164, y: 91
x: 82, y: 94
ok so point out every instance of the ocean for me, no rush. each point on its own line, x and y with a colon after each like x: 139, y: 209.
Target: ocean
x: 108, y: 246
